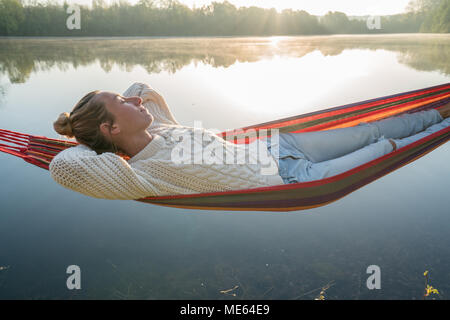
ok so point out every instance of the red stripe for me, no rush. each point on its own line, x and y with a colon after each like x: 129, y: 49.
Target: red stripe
x: 2, y: 137
x: 27, y: 136
x: 15, y: 153
x: 13, y: 141
x: 21, y: 135
x: 10, y: 147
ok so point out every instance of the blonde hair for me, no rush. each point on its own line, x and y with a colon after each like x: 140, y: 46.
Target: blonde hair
x: 84, y: 121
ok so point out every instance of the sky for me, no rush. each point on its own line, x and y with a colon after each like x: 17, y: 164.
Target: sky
x: 316, y: 7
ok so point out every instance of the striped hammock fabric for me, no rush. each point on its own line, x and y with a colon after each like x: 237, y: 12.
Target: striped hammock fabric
x: 39, y: 150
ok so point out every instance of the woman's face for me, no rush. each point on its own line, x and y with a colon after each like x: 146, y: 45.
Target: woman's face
x: 130, y: 115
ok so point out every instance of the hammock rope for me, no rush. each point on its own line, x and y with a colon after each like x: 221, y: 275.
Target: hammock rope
x: 40, y: 150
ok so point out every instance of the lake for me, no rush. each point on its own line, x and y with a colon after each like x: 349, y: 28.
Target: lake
x: 132, y: 250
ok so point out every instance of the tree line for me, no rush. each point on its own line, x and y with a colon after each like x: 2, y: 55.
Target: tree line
x: 172, y: 18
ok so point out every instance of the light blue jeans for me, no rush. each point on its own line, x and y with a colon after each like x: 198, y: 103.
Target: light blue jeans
x: 309, y: 156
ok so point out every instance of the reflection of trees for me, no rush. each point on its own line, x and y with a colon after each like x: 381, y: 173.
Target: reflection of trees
x: 20, y: 57
x: 437, y: 57
x: 3, y: 91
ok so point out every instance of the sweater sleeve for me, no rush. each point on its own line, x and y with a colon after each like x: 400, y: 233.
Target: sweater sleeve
x: 154, y: 102
x: 104, y: 176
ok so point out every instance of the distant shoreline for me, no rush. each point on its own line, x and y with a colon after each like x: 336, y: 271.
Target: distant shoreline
x: 235, y: 36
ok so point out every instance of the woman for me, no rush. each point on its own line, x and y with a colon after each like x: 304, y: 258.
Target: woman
x: 139, y: 125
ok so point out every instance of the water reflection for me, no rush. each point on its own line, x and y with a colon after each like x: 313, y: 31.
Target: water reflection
x: 3, y: 91
x: 21, y: 57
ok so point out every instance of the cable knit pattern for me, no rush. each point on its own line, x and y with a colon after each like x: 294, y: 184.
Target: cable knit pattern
x: 153, y: 172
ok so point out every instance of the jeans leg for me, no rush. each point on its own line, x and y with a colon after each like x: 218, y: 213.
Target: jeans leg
x: 317, y: 171
x: 407, y: 124
x: 432, y: 129
x: 330, y: 144
x: 302, y: 170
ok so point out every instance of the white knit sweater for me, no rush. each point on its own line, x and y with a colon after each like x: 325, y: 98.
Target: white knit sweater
x: 153, y: 171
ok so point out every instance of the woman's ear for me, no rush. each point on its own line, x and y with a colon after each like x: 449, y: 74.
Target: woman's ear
x: 108, y: 129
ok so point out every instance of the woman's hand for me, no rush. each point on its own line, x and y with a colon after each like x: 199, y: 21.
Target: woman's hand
x: 393, y: 144
x: 445, y: 111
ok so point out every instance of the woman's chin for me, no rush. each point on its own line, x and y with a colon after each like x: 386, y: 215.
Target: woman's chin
x: 150, y: 118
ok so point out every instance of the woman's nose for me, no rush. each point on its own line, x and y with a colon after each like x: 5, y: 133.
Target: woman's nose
x: 137, y: 100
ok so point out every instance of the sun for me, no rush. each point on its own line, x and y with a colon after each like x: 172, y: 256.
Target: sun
x: 275, y: 40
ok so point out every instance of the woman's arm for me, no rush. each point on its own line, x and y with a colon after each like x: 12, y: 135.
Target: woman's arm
x: 105, y: 176
x: 154, y: 102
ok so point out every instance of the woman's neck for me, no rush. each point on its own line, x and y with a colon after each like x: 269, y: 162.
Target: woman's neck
x: 134, y: 144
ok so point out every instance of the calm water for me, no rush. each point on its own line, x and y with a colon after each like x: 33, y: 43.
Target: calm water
x: 129, y: 250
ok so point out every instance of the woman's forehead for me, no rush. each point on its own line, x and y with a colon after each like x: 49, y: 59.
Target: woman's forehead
x: 108, y: 96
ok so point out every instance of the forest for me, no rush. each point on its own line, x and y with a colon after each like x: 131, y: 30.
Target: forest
x: 173, y: 18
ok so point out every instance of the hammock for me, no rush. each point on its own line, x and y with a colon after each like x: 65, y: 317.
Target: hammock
x: 39, y: 150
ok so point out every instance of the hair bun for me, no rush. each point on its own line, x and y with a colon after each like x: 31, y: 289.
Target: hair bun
x: 63, y: 125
